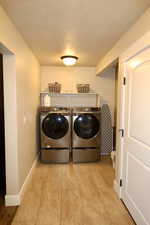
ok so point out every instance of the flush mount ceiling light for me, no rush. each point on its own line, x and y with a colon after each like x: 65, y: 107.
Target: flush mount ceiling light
x: 69, y: 60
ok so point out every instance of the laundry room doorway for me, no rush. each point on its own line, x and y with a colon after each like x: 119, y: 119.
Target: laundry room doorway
x: 2, y: 134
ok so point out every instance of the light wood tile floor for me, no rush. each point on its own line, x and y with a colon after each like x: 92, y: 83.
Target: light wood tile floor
x: 72, y: 194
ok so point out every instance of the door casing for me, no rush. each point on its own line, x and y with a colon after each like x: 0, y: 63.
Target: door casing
x: 2, y: 141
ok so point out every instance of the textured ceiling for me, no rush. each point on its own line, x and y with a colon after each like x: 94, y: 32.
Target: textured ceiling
x: 85, y: 28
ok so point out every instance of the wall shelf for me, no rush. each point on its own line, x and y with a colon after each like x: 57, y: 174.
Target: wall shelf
x: 71, y: 99
x: 67, y: 94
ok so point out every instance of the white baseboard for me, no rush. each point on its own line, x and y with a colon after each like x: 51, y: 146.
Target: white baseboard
x: 15, y: 200
x: 117, y: 188
x: 103, y: 153
x: 12, y: 200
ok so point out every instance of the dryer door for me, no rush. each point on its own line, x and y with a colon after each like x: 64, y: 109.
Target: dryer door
x: 55, y: 126
x: 86, y: 126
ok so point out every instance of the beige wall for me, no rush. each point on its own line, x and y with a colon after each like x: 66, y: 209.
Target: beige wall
x: 21, y: 86
x: 134, y: 33
x: 67, y: 76
x: 70, y: 76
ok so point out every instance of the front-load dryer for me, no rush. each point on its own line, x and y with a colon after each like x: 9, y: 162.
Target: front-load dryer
x: 55, y: 132
x: 86, y: 134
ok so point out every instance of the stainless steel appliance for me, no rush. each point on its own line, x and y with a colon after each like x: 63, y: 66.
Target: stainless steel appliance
x: 86, y: 134
x: 55, y: 132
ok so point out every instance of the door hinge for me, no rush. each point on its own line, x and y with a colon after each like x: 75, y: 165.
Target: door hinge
x: 120, y: 182
x: 124, y: 81
x: 122, y: 132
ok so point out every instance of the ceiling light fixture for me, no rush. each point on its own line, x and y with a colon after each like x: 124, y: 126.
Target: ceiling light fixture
x: 69, y: 60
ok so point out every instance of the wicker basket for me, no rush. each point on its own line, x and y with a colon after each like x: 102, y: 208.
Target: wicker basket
x: 54, y: 87
x: 83, y: 88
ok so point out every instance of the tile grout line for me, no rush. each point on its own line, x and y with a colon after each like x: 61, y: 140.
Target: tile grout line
x: 61, y: 191
x: 101, y: 192
x: 36, y: 221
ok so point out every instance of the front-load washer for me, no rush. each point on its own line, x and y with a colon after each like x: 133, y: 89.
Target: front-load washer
x: 55, y: 132
x: 86, y: 134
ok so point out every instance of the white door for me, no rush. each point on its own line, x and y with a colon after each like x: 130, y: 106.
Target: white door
x: 136, y: 146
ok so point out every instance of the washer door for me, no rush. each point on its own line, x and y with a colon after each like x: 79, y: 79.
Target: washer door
x: 55, y: 126
x: 86, y: 126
